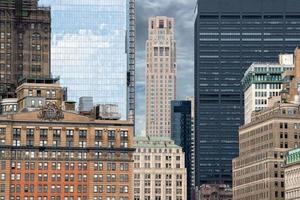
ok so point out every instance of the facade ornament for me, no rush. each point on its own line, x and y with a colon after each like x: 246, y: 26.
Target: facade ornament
x: 51, y: 112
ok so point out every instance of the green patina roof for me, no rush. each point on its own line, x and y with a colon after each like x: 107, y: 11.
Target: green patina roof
x: 293, y: 156
x: 263, y: 73
x: 154, y: 142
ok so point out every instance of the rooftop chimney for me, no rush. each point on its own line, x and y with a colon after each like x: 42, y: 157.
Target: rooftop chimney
x: 297, y: 63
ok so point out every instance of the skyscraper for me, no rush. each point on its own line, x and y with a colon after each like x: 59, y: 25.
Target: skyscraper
x: 181, y: 133
x: 25, y: 34
x: 229, y: 36
x: 160, y: 75
x: 93, y: 50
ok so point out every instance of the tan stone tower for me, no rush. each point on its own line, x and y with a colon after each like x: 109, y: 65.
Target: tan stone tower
x: 160, y: 75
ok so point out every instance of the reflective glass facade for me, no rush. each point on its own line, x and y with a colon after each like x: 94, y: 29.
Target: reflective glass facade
x: 181, y: 133
x: 229, y: 36
x: 93, y: 50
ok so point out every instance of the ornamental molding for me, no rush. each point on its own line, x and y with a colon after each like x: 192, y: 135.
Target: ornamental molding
x: 51, y: 112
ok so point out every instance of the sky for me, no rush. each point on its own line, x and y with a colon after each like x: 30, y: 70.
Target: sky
x: 183, y: 13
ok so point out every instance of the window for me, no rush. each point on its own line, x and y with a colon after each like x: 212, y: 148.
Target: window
x: 98, y: 134
x: 123, y: 189
x: 36, y: 68
x: 161, y: 23
x: 2, y: 177
x: 147, y: 176
x: 111, y: 166
x: 98, y: 143
x: 124, y: 178
x: 111, y: 135
x: 70, y: 133
x: 32, y: 103
x: 124, y: 166
x: 16, y: 143
x: 124, y: 134
x: 98, y: 166
x: 43, y: 133
x: 82, y: 133
x: 111, y: 144
x: 155, y: 51
x: 36, y: 58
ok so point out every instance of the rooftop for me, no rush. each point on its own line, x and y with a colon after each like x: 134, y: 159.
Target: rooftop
x: 154, y: 142
x: 267, y: 72
x: 45, y: 80
x: 278, y: 111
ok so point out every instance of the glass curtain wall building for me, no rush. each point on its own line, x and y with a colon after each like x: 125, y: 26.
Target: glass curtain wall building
x: 229, y: 36
x: 181, y: 133
x: 93, y: 50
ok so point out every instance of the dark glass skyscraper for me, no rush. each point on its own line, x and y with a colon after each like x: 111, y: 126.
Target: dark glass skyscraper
x: 229, y: 36
x: 181, y: 133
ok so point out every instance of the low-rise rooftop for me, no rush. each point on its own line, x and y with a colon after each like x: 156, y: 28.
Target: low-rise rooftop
x: 154, y: 142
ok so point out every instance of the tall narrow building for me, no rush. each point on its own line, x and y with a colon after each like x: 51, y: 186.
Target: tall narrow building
x: 25, y: 33
x: 160, y: 75
x: 93, y: 50
x: 229, y: 36
x: 182, y: 134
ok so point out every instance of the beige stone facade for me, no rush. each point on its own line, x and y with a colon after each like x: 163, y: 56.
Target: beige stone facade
x: 258, y: 172
x: 32, y: 95
x: 160, y: 75
x: 159, y: 170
